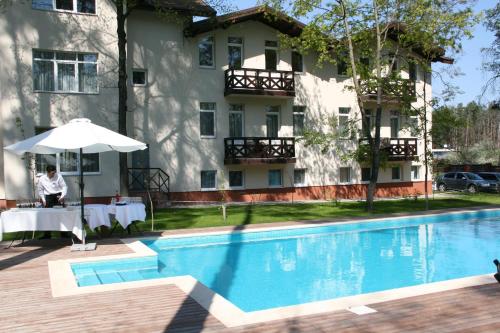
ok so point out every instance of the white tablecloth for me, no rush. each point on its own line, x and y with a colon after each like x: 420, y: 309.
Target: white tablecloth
x: 97, y: 215
x: 126, y: 214
x: 41, y: 219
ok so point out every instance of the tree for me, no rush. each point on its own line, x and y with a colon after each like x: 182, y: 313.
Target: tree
x: 380, y: 33
x: 492, y: 62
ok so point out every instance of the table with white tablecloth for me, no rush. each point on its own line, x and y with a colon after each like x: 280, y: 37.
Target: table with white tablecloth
x: 41, y: 219
x: 126, y: 214
x: 97, y: 215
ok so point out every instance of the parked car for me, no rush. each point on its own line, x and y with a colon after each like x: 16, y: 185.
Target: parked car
x: 463, y: 181
x: 493, y: 178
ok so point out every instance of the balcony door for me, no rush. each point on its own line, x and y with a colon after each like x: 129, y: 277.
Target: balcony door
x: 271, y: 55
x: 272, y: 121
x: 236, y: 125
x: 394, y: 124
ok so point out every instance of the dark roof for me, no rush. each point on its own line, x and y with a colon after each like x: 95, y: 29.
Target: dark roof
x: 437, y: 53
x: 286, y: 25
x: 192, y: 7
x: 281, y: 22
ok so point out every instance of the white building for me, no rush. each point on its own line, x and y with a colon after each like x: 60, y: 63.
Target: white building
x: 218, y: 102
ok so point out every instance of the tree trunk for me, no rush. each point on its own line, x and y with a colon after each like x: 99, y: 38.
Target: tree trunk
x: 426, y: 158
x: 122, y: 91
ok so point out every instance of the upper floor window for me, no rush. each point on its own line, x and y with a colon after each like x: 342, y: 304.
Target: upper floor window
x: 139, y: 77
x: 368, y: 123
x: 206, y: 52
x: 298, y: 120
x: 341, y: 67
x: 297, y: 63
x: 207, y: 120
x: 235, y: 52
x: 412, y: 71
x: 64, y: 71
x: 271, y: 55
x: 344, y: 122
x: 75, y: 6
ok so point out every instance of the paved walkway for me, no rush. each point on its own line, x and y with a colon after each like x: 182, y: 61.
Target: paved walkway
x: 26, y: 304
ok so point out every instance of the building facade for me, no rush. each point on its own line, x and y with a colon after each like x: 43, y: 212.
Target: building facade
x: 219, y: 103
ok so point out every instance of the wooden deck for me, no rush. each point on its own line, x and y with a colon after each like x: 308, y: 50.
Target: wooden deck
x: 26, y: 304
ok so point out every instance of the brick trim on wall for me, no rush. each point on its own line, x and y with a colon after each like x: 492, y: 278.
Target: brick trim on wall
x: 331, y: 192
x: 354, y: 191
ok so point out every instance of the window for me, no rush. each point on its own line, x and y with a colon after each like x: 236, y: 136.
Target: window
x: 236, y: 179
x: 299, y: 177
x: 139, y: 77
x: 206, y: 52
x: 344, y: 122
x: 298, y: 120
x: 297, y: 63
x: 76, y: 6
x: 271, y: 55
x: 236, y: 126
x: 345, y: 175
x: 272, y: 121
x: 394, y: 124
x: 393, y: 62
x: 341, y: 67
x: 207, y: 120
x: 415, y: 172
x: 368, y: 124
x: 64, y: 71
x: 235, y: 52
x: 208, y: 179
x: 66, y: 163
x: 366, y: 174
x: 412, y: 71
x: 413, y: 126
x: 449, y: 175
x: 274, y: 178
x: 396, y: 173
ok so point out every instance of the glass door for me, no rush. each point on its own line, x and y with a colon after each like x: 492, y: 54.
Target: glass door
x: 272, y: 122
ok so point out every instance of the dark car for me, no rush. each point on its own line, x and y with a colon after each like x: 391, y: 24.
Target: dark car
x: 493, y: 178
x: 463, y: 181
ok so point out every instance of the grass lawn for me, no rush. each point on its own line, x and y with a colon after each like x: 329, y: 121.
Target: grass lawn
x: 183, y: 218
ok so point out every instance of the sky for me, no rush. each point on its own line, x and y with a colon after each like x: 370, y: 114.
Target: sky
x: 471, y: 82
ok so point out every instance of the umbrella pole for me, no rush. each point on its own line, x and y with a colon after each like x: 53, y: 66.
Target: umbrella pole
x: 83, y: 246
x: 82, y: 203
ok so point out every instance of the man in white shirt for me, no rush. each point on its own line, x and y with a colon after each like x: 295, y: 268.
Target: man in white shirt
x: 51, y: 189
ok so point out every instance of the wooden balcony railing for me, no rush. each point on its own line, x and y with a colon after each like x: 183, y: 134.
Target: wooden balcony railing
x: 400, y: 89
x: 398, y: 149
x: 259, y: 150
x: 259, y: 82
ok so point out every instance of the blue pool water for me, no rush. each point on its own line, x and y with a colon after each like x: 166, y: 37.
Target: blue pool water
x: 262, y: 270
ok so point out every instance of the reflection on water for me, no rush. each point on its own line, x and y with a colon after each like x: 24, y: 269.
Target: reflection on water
x: 288, y: 271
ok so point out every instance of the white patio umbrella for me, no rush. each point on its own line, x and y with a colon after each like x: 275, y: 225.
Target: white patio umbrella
x: 78, y: 136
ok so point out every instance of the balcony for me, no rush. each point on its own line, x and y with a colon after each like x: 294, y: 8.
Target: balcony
x: 249, y: 81
x: 259, y: 150
x: 392, y: 90
x: 398, y: 149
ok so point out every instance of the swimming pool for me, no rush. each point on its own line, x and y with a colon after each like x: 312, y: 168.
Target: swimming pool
x: 269, y: 269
